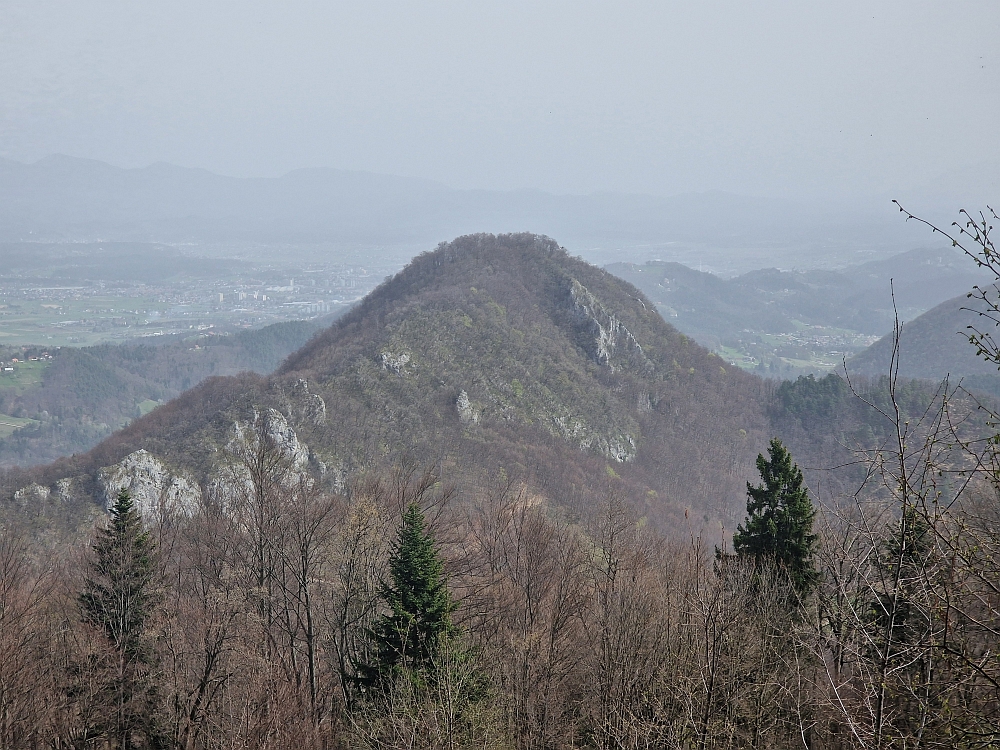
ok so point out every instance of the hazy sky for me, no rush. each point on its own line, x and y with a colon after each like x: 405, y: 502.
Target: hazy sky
x: 777, y: 97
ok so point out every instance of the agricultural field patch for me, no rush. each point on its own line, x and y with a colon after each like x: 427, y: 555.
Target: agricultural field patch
x: 67, y: 320
x: 9, y: 425
x: 147, y: 406
x: 23, y: 376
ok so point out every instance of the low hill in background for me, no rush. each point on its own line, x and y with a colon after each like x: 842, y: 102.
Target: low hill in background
x: 935, y: 345
x: 80, y: 396
x: 802, y: 319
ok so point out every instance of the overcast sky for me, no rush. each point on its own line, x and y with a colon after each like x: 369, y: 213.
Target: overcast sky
x: 767, y: 98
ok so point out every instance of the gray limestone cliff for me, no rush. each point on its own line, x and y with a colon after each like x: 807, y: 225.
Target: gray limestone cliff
x: 156, y: 490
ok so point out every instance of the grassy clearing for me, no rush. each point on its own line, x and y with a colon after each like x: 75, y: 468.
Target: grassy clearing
x: 147, y: 406
x: 737, y: 357
x: 24, y: 376
x: 9, y: 425
x: 824, y: 363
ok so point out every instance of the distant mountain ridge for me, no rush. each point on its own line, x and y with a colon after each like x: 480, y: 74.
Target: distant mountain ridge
x: 66, y: 198
x: 858, y: 297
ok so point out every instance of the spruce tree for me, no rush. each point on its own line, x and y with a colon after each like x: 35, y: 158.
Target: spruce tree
x: 118, y: 599
x: 902, y: 564
x: 407, y: 637
x: 779, y: 519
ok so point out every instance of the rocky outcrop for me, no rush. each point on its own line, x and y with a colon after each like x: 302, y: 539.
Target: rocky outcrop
x: 32, y: 494
x: 620, y: 448
x: 273, y: 426
x: 156, y: 490
x: 395, y: 362
x: 467, y: 412
x: 609, y: 342
x: 270, y: 437
x: 66, y: 489
x: 309, y: 407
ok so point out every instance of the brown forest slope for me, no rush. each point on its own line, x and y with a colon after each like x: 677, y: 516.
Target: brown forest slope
x: 933, y: 345
x: 490, y: 354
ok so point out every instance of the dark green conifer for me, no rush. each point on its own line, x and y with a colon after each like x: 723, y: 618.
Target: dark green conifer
x: 408, y: 637
x: 118, y: 600
x: 779, y: 519
x: 902, y: 564
x: 119, y: 588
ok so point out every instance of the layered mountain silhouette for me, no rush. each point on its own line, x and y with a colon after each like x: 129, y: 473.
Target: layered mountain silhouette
x: 62, y: 198
x: 490, y: 356
x: 859, y: 297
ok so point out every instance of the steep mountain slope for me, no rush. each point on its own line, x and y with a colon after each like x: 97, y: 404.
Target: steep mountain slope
x: 491, y: 355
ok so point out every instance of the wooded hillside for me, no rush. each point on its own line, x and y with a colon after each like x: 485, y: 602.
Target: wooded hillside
x: 494, y: 506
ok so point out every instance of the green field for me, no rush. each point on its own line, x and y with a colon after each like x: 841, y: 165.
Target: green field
x: 817, y: 362
x: 25, y: 375
x: 741, y: 360
x: 77, y: 322
x: 10, y: 425
x: 147, y: 406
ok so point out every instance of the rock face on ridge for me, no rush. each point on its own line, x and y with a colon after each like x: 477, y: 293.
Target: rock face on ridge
x: 490, y: 354
x: 608, y: 338
x: 155, y: 489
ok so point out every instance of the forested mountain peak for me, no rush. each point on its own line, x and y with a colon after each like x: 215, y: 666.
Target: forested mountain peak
x: 528, y: 281
x: 488, y: 354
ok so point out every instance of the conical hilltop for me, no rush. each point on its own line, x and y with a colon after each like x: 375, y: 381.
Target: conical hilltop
x: 491, y: 355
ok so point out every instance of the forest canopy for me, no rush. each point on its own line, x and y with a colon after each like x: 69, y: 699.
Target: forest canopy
x: 279, y: 598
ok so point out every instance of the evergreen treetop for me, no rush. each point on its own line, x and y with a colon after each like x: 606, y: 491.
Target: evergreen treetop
x: 119, y: 589
x: 779, y: 519
x: 409, y: 635
x: 118, y: 599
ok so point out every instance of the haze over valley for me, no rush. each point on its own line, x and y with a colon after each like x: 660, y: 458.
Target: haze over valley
x: 513, y: 376
x: 183, y: 259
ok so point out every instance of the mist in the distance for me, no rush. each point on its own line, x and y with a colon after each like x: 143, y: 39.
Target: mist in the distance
x: 819, y: 101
